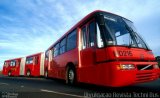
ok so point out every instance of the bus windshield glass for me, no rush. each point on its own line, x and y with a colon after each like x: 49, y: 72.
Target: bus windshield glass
x: 123, y: 32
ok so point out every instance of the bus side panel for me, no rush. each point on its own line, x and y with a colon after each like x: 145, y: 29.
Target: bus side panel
x: 46, y: 62
x: 15, y: 70
x: 7, y: 69
x: 88, y: 74
x: 58, y: 64
x: 98, y: 74
x: 4, y: 71
x: 18, y: 68
x: 36, y: 67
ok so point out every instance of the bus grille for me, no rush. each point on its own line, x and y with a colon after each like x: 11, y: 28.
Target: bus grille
x: 144, y: 77
x: 144, y: 67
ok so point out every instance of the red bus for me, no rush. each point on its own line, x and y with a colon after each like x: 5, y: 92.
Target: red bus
x: 34, y: 65
x: 14, y: 67
x: 103, y: 49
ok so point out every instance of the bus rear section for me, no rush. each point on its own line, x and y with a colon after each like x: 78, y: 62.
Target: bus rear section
x: 5, y: 68
x: 12, y: 67
x: 102, y: 49
x: 34, y: 65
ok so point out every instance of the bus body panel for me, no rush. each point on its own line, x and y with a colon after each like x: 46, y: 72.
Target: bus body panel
x: 34, y: 64
x: 134, y: 54
x: 5, y: 68
x: 14, y: 68
x: 58, y: 64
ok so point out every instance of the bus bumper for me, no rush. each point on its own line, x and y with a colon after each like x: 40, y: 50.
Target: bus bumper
x: 133, y: 76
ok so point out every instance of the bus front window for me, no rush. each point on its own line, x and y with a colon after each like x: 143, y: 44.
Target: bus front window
x: 123, y: 32
x: 140, y: 42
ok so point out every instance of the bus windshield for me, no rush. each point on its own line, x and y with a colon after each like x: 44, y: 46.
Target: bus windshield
x: 122, y: 32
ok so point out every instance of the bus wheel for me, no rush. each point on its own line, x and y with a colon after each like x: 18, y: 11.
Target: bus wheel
x: 46, y: 74
x: 9, y: 73
x: 28, y: 73
x: 71, y: 76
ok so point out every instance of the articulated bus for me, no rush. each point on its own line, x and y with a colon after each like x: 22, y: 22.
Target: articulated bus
x: 34, y: 65
x: 103, y: 49
x: 14, y: 67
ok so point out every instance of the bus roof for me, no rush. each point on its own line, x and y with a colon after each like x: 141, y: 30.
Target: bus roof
x: 34, y: 54
x: 13, y: 59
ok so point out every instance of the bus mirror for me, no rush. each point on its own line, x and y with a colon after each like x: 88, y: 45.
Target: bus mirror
x: 101, y: 20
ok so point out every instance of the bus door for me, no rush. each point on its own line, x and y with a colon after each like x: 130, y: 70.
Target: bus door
x: 88, y: 52
x: 36, y: 64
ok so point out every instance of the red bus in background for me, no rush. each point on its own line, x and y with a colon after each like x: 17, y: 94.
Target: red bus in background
x: 102, y: 49
x: 34, y: 65
x: 14, y: 67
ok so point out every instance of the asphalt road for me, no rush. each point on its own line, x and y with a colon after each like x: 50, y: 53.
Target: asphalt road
x: 23, y: 87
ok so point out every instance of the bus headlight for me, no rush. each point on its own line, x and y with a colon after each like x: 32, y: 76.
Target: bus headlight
x: 156, y: 66
x: 126, y: 67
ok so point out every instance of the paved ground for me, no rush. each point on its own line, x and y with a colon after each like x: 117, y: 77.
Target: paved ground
x: 22, y: 87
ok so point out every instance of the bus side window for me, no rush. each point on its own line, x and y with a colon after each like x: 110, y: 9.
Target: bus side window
x: 72, y: 40
x: 13, y: 63
x: 84, y: 37
x: 29, y: 60
x: 63, y: 45
x: 56, y: 50
x: 100, y: 43
x: 92, y: 32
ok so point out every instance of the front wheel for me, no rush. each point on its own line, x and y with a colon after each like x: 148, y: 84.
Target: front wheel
x: 71, y: 76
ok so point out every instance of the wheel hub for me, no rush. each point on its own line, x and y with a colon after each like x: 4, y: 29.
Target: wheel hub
x: 71, y: 75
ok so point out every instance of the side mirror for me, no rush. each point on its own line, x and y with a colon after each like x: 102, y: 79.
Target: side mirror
x: 101, y: 20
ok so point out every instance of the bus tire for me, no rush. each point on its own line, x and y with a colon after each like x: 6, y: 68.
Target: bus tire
x: 71, y: 76
x: 9, y: 73
x: 46, y: 74
x: 28, y: 74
